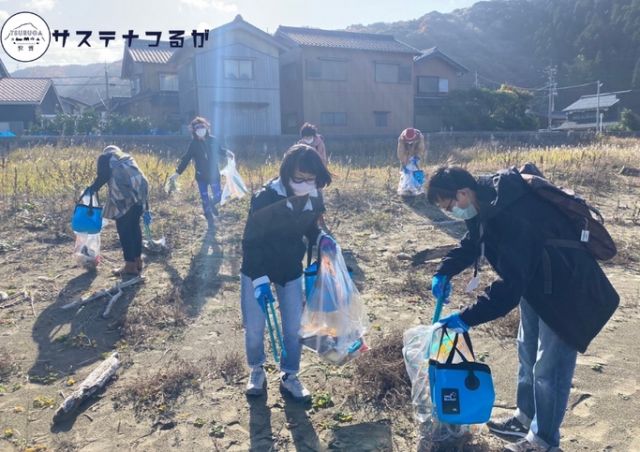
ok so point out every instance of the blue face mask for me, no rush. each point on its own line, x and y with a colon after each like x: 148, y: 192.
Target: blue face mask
x: 464, y: 214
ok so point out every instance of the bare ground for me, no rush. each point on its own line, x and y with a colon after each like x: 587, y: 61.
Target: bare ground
x: 180, y: 335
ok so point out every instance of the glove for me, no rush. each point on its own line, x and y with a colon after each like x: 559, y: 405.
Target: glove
x: 441, y: 287
x: 263, y: 294
x: 146, y: 218
x: 174, y: 177
x: 327, y: 244
x: 454, y: 323
x: 230, y: 155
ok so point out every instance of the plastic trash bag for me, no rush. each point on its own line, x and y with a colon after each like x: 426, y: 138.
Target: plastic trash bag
x: 86, y: 252
x: 411, y: 179
x: 420, y: 344
x: 334, y: 320
x: 234, y: 186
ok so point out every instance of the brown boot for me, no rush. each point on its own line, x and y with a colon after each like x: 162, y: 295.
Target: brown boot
x: 139, y: 264
x: 129, y: 269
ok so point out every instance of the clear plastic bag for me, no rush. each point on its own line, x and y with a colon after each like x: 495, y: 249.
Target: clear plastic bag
x: 411, y: 179
x: 334, y: 320
x: 86, y: 252
x: 234, y: 186
x: 420, y: 344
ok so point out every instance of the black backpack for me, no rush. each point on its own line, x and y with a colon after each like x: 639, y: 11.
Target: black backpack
x: 589, y: 224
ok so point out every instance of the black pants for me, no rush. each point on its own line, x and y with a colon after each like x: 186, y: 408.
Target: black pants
x: 130, y: 233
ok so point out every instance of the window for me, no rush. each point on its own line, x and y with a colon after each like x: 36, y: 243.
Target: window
x: 168, y: 82
x: 333, y: 118
x: 432, y: 85
x: 326, y: 69
x: 135, y: 86
x: 238, y: 69
x: 443, y: 85
x: 392, y: 73
x: 381, y: 118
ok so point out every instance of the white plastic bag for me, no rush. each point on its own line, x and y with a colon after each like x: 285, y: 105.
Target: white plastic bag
x: 234, y: 186
x: 334, y: 320
x: 420, y: 344
x: 86, y: 252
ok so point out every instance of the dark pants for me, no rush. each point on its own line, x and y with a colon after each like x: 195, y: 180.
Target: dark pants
x: 130, y: 233
x: 209, y: 203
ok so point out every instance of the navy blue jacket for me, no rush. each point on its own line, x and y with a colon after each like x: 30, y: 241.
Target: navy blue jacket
x: 566, y: 286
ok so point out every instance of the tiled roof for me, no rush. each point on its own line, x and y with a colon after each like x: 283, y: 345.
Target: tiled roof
x: 590, y: 102
x: 435, y: 52
x: 313, y: 37
x: 23, y: 90
x: 141, y: 52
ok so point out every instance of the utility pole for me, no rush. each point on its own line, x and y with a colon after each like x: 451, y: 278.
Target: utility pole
x: 106, y: 84
x: 551, y: 72
x: 598, y: 122
x: 476, y: 84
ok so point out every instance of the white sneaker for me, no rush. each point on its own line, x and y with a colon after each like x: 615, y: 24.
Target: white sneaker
x: 257, y: 384
x: 294, y: 387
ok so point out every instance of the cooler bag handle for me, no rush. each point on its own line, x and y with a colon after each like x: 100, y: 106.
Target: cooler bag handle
x: 454, y: 348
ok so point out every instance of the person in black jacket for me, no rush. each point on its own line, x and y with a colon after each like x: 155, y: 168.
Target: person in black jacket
x: 565, y: 298
x: 205, y: 151
x: 284, y: 212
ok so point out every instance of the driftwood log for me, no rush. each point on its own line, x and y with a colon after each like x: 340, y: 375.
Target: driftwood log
x: 114, y: 293
x: 96, y: 380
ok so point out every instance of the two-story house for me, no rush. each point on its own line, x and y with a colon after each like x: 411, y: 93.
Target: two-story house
x: 344, y: 82
x: 233, y: 81
x: 435, y: 76
x: 154, y: 84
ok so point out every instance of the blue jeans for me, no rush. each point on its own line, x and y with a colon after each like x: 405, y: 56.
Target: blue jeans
x: 290, y: 300
x: 207, y: 202
x: 546, y: 369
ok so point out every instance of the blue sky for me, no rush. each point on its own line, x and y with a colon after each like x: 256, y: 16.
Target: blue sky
x: 156, y: 15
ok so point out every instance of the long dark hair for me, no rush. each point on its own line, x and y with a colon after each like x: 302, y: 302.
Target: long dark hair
x: 304, y: 158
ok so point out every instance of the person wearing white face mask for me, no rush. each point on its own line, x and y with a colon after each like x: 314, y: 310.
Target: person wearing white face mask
x: 309, y: 135
x: 564, y: 297
x: 284, y: 212
x: 205, y: 151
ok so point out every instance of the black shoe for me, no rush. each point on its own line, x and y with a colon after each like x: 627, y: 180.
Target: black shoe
x: 508, y: 427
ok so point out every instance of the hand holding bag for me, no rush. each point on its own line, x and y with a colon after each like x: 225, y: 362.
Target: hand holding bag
x: 87, y: 216
x: 461, y: 392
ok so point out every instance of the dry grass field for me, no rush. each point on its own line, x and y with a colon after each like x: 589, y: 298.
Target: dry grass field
x: 180, y: 333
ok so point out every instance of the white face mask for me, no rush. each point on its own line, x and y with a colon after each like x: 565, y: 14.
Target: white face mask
x: 302, y: 188
x: 464, y: 214
x: 308, y: 140
x: 201, y: 132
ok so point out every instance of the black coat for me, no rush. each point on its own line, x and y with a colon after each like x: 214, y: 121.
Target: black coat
x: 272, y: 244
x: 206, y: 159
x: 566, y: 286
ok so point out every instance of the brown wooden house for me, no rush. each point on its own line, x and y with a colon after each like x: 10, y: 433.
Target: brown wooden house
x: 154, y: 84
x: 435, y: 75
x: 346, y: 83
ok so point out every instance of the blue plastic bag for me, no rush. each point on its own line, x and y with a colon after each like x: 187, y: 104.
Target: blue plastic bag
x: 461, y: 392
x: 87, y: 216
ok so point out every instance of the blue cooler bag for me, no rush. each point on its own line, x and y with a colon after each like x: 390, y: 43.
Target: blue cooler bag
x: 87, y: 218
x: 461, y: 393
